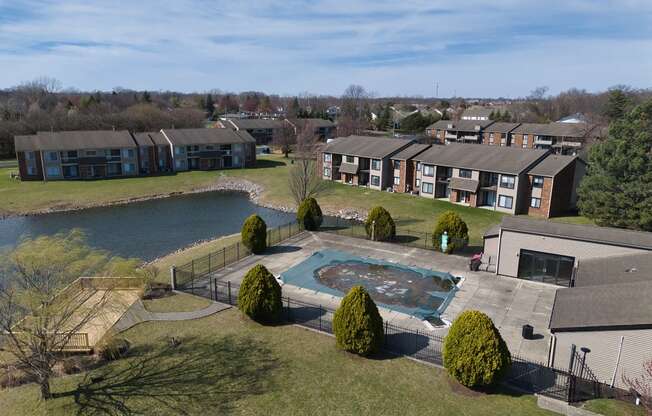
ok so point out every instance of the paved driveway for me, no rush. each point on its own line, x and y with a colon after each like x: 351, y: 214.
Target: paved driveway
x: 510, y: 302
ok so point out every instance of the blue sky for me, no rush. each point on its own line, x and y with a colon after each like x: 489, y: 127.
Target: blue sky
x: 472, y: 48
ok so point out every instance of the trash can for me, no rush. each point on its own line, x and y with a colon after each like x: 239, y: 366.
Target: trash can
x: 528, y: 331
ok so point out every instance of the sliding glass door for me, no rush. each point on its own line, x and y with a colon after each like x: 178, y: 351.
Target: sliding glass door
x: 545, y: 267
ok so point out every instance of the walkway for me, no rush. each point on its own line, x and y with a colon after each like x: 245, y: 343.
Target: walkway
x: 137, y: 314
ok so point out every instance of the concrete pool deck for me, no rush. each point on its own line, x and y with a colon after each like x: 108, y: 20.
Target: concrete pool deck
x: 509, y: 302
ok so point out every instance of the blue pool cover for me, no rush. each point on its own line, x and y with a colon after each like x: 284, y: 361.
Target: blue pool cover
x: 412, y: 290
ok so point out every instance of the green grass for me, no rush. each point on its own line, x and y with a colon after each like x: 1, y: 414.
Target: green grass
x: 609, y: 407
x: 186, y: 255
x: 176, y: 302
x: 228, y: 365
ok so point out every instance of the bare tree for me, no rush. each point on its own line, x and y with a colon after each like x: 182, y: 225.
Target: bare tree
x: 285, y: 138
x: 304, y: 179
x: 41, y: 313
x: 642, y: 385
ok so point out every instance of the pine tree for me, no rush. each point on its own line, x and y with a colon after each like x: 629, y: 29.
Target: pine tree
x: 617, y: 104
x: 209, y: 105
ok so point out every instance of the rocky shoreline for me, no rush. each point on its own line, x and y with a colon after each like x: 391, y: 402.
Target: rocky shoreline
x: 223, y: 184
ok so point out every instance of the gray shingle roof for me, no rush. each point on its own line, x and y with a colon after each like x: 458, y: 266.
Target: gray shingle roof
x: 604, y: 235
x: 634, y: 267
x: 508, y: 160
x: 143, y: 139
x: 463, y: 184
x: 501, y: 127
x: 530, y: 128
x: 159, y: 139
x: 184, y: 137
x: 316, y: 122
x: 411, y: 151
x: 349, y: 168
x: 577, y: 130
x: 600, y: 307
x: 460, y: 125
x: 256, y: 124
x: 366, y: 146
x: 552, y: 165
x: 70, y: 140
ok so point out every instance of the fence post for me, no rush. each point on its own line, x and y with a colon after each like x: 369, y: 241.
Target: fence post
x: 385, y: 337
x: 224, y: 257
x: 215, y: 287
x: 320, y: 317
x: 209, y: 262
x: 416, y: 341
x: 237, y: 251
x: 192, y: 268
x: 210, y: 288
x: 173, y: 277
x: 288, y: 308
x: 228, y: 285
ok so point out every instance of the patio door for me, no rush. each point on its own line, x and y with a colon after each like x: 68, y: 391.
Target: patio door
x: 545, y: 267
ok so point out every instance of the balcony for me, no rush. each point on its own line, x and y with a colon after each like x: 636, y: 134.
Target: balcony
x: 450, y: 136
x: 470, y: 138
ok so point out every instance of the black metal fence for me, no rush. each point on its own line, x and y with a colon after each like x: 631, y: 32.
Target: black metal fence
x: 187, y: 274
x: 571, y: 385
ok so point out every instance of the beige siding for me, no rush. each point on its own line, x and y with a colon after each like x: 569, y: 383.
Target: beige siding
x: 603, y: 357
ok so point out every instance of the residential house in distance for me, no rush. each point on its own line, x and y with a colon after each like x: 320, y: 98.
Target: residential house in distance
x: 404, y: 167
x: 499, y: 133
x: 361, y: 160
x: 323, y: 129
x: 477, y: 113
x: 154, y: 154
x: 462, y: 131
x: 208, y: 149
x: 478, y: 176
x: 263, y: 130
x: 76, y: 155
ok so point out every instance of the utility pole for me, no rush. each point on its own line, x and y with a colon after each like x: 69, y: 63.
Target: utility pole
x: 436, y: 89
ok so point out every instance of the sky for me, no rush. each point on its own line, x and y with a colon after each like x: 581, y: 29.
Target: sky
x: 470, y: 48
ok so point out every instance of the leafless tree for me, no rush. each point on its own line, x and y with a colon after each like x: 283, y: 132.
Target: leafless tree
x: 642, y: 385
x: 41, y: 312
x: 304, y: 179
x: 284, y: 138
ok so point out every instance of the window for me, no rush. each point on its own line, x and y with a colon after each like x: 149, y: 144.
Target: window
x: 178, y: 150
x: 52, y: 156
x: 491, y: 138
x: 209, y: 147
x: 375, y: 180
x: 129, y: 168
x: 505, y: 201
x: 91, y: 153
x: 328, y: 157
x: 29, y: 155
x: 397, y: 180
x: 426, y: 187
x: 53, y: 171
x: 397, y: 165
x: 128, y: 153
x: 112, y: 152
x: 179, y: 164
x: 535, y: 202
x: 525, y: 140
x: 503, y: 139
x: 418, y: 183
x: 537, y: 182
x: 31, y: 170
x: 327, y: 172
x: 70, y: 171
x: 418, y: 166
x: 114, y: 169
x: 428, y: 170
x: 375, y: 164
x: 507, y: 181
x: 465, y: 173
x: 349, y: 159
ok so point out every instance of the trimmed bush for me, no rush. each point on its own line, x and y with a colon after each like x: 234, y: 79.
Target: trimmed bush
x: 384, y: 228
x: 260, y: 295
x: 114, y: 348
x: 254, y: 234
x: 474, y: 352
x: 458, y: 232
x: 357, y: 324
x: 309, y: 214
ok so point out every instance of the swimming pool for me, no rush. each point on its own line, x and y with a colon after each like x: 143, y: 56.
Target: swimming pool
x: 416, y: 291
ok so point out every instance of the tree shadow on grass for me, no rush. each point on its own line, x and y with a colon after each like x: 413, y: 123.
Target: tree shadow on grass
x: 195, y: 377
x: 268, y: 163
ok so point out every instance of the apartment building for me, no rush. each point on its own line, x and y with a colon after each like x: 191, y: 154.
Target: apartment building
x: 323, y: 129
x: 154, y: 154
x: 563, y: 138
x: 477, y: 176
x: 462, y: 131
x: 361, y: 160
x: 404, y: 167
x: 499, y: 134
x: 208, y: 149
x: 477, y: 112
x: 553, y: 185
x: 263, y: 130
x: 76, y: 155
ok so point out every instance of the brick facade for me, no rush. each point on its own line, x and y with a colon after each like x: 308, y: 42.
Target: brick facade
x: 546, y: 192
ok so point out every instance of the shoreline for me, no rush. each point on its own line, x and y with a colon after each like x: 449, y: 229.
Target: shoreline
x: 253, y: 190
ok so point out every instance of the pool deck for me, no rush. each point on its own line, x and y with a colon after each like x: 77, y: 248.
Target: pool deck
x: 510, y: 302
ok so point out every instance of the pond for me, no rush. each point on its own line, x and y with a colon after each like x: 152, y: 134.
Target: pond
x: 148, y: 229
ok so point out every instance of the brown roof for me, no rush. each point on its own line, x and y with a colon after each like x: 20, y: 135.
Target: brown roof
x: 159, y: 139
x: 552, y: 165
x: 508, y: 160
x: 602, y: 307
x: 411, y: 151
x: 460, y: 125
x: 366, y: 146
x: 464, y: 184
x: 634, y: 267
x: 207, y: 136
x: 351, y: 168
x: 592, y: 233
x: 316, y: 122
x: 501, y: 127
x: 71, y: 140
x: 577, y: 130
x: 143, y: 139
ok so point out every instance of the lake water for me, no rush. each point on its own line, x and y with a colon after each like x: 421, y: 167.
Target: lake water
x: 148, y: 229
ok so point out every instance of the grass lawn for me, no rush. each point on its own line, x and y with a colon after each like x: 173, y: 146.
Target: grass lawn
x: 608, y: 407
x: 187, y: 254
x: 228, y: 365
x: 176, y: 302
